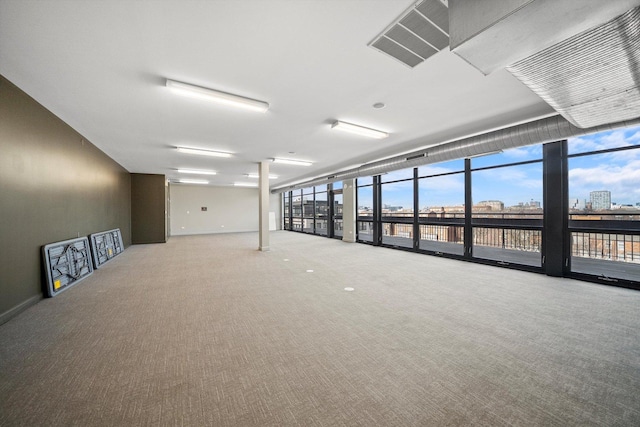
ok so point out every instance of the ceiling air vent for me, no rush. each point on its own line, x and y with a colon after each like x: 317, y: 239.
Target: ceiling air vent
x: 420, y: 32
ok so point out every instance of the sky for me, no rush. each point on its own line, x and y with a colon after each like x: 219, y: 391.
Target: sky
x: 617, y: 172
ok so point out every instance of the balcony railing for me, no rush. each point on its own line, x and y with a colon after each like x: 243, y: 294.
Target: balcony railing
x: 365, y: 230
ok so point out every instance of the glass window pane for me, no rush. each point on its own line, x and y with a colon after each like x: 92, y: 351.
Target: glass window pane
x: 604, y: 214
x: 365, y: 213
x: 365, y: 202
x: 397, y: 213
x: 512, y: 155
x: 508, y: 190
x: 296, y: 210
x: 338, y: 210
x: 308, y: 210
x: 397, y: 199
x: 321, y: 213
x: 337, y: 185
x: 397, y: 175
x: 604, y: 140
x: 441, y: 215
x: 507, y: 214
x: 442, y: 194
x: 365, y: 180
x: 440, y: 168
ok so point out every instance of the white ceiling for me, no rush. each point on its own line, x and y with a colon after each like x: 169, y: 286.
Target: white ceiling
x: 101, y: 67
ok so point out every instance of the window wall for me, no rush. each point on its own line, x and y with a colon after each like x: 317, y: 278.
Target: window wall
x: 567, y: 208
x: 307, y: 210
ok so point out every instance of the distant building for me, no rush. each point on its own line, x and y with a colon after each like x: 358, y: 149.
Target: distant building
x: 491, y: 205
x: 577, y: 204
x: 600, y: 200
x: 532, y: 204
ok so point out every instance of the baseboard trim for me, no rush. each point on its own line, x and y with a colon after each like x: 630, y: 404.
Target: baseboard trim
x: 12, y: 312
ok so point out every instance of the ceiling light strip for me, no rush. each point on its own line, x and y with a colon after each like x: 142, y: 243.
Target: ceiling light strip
x: 218, y: 96
x: 193, y: 181
x: 196, y: 172
x: 202, y: 152
x: 359, y: 130
x: 291, y: 162
x: 245, y: 184
x: 256, y: 176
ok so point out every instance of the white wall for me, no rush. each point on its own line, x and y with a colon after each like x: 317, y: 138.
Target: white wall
x: 229, y: 209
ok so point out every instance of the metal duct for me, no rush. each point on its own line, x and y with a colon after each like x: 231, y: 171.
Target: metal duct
x: 492, y: 34
x: 551, y: 129
x: 591, y: 78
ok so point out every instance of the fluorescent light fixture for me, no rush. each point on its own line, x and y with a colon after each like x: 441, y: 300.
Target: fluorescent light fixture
x: 202, y: 152
x: 193, y: 181
x: 217, y: 96
x: 245, y: 184
x: 256, y: 176
x: 483, y: 154
x: 292, y: 162
x: 196, y: 172
x: 359, y: 130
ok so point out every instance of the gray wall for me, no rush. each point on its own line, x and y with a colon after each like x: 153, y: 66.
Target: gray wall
x: 229, y: 209
x: 54, y: 185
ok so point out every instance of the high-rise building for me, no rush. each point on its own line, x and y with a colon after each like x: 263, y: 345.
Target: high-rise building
x: 600, y: 200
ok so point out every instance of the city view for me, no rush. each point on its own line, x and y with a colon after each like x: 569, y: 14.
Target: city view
x: 602, y: 187
x: 507, y: 213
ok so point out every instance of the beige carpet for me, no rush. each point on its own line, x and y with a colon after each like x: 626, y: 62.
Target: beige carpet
x: 207, y: 331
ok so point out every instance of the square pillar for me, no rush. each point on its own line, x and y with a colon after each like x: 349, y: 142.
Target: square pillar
x: 263, y: 208
x: 349, y: 210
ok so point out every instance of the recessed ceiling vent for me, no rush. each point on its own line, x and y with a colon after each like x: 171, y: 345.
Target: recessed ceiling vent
x: 420, y: 32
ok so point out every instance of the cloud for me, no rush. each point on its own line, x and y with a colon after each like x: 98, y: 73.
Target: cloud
x: 397, y: 175
x: 429, y: 170
x: 604, y: 140
x: 510, y: 175
x: 531, y: 152
x: 622, y: 180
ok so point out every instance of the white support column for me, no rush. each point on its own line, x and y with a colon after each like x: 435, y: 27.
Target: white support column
x: 263, y: 208
x: 349, y: 209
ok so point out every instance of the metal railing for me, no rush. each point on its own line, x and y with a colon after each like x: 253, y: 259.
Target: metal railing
x: 613, y: 236
x: 442, y: 233
x: 520, y: 239
x: 365, y: 230
x: 606, y: 246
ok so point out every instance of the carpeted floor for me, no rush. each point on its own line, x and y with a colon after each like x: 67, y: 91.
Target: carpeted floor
x: 207, y: 331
